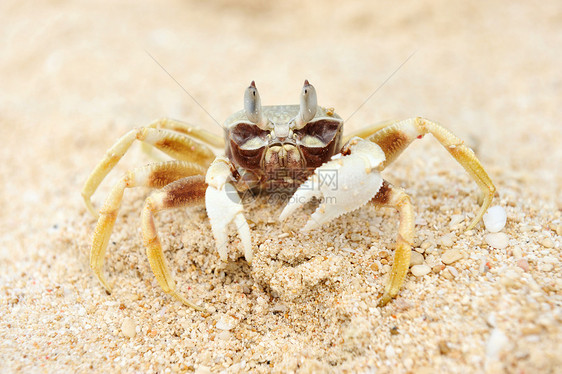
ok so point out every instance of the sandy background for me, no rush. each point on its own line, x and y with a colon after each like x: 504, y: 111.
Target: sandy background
x: 74, y: 76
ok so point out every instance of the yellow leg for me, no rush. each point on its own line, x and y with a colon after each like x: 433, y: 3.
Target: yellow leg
x: 176, y: 145
x: 154, y: 176
x: 391, y: 196
x: 367, y: 131
x: 396, y: 136
x: 190, y: 130
x: 184, y: 192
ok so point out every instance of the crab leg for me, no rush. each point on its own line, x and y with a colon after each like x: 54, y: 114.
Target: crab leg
x: 154, y: 176
x: 176, y: 145
x: 187, y: 129
x: 396, y: 136
x: 181, y: 193
x: 190, y: 130
x: 391, y: 196
x: 358, y: 182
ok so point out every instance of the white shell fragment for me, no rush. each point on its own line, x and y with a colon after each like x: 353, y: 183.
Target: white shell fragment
x: 495, y: 218
x: 497, y: 240
x: 496, y: 343
x: 226, y: 323
x: 128, y: 327
x: 450, y: 256
x: 420, y: 270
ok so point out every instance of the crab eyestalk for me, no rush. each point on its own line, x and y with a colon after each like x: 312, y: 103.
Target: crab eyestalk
x: 308, y: 105
x: 252, y: 107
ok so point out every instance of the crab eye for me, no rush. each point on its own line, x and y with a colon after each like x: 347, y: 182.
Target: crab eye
x: 252, y: 107
x: 308, y: 105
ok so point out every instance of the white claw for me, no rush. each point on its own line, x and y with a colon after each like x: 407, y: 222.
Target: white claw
x: 342, y: 185
x: 223, y: 207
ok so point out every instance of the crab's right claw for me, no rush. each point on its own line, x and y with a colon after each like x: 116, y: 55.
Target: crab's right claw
x: 223, y: 207
x: 343, y: 184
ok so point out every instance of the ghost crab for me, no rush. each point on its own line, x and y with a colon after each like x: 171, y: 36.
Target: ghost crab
x: 271, y: 148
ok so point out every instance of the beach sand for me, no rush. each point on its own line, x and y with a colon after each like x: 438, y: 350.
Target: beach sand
x: 77, y: 75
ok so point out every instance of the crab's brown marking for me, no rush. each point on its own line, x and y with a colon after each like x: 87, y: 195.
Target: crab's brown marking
x: 383, y: 196
x: 182, y: 193
x: 172, y: 171
x: 392, y: 142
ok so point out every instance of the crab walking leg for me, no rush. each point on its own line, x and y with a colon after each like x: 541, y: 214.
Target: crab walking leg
x: 153, y: 175
x: 176, y: 145
x: 184, y: 192
x: 394, y: 138
x: 391, y: 196
x: 187, y: 129
x: 190, y: 130
x: 365, y: 132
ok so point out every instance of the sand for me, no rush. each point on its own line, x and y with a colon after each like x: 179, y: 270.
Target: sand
x: 76, y: 76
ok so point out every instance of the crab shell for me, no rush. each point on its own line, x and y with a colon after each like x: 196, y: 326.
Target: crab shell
x: 281, y: 155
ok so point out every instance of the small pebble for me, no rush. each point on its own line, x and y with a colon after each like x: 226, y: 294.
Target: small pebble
x: 559, y: 230
x: 390, y: 352
x: 443, y: 347
x: 226, y: 323
x: 416, y: 259
x: 545, y: 267
x: 446, y: 241
x: 437, y: 268
x: 450, y: 272
x: 496, y: 343
x: 454, y: 272
x: 523, y: 264
x: 456, y: 219
x: 420, y: 270
x: 491, y: 320
x: 547, y: 243
x: 426, y: 244
x: 451, y: 256
x: 510, y: 278
x: 495, y: 218
x: 497, y: 240
x: 419, y: 249
x: 203, y: 370
x: 355, y: 237
x: 128, y: 327
x: 420, y: 222
x: 516, y: 252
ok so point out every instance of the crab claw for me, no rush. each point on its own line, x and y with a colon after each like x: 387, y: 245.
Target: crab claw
x: 343, y: 184
x: 223, y: 207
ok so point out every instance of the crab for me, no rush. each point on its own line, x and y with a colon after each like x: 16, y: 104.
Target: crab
x: 296, y: 148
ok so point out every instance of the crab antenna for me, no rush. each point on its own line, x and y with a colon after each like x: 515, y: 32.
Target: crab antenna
x: 308, y: 105
x: 252, y: 106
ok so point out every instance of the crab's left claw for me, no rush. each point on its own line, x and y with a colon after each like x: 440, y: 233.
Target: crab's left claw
x: 343, y: 184
x: 224, y: 206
